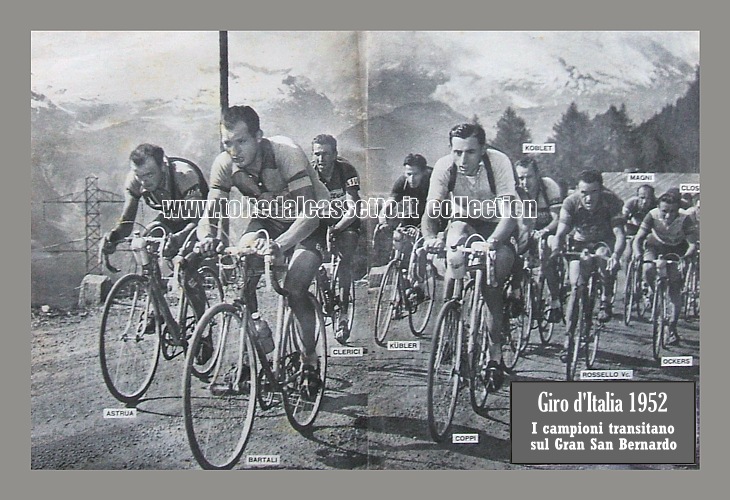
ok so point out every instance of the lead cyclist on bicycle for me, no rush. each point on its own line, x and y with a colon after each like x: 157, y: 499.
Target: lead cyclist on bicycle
x: 592, y: 215
x: 666, y: 229
x: 474, y: 172
x: 272, y: 170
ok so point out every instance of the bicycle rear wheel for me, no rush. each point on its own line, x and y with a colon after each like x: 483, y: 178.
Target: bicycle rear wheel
x: 301, y: 409
x: 659, y: 321
x: 219, y: 408
x: 421, y: 312
x: 129, y: 338
x: 443, y: 370
x: 388, y: 301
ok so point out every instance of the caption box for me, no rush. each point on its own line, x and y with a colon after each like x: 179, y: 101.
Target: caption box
x: 603, y: 422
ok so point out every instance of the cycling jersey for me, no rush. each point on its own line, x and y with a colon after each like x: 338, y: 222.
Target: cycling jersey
x: 476, y: 187
x: 344, y: 178
x: 671, y: 234
x: 184, y: 184
x: 592, y: 226
x: 634, y: 213
x: 276, y: 170
x: 402, y: 189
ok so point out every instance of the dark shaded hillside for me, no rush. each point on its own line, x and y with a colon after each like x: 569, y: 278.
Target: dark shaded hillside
x: 414, y: 128
x: 670, y: 140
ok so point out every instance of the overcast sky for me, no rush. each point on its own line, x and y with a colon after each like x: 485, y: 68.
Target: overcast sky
x: 458, y: 68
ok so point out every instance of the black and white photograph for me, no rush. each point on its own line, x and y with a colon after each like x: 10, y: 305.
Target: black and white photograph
x: 347, y: 250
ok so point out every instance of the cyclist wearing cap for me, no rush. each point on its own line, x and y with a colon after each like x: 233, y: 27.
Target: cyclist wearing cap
x: 474, y: 171
x: 343, y: 183
x: 272, y: 168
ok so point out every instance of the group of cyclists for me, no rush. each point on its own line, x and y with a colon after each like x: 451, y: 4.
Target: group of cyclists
x: 592, y: 219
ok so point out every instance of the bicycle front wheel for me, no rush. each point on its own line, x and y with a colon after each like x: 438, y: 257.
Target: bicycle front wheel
x: 219, y: 408
x: 421, y: 312
x: 629, y: 293
x: 589, y: 334
x: 129, y: 338
x: 345, y: 297
x: 479, y: 387
x: 444, y: 370
x: 659, y: 322
x: 301, y: 406
x: 387, y: 301
x: 577, y: 325
x: 545, y: 327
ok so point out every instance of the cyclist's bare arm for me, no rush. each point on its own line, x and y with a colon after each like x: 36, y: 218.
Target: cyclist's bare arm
x: 302, y: 226
x: 351, y: 198
x: 389, y: 208
x: 207, y: 227
x: 129, y: 213
x: 430, y: 221
x: 638, y: 243
x: 620, y: 245
x: 505, y: 227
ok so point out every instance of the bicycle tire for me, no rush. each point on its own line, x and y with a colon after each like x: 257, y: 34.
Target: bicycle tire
x: 128, y: 352
x: 479, y: 380
x: 577, y: 317
x: 444, y: 366
x: 629, y: 292
x: 388, y: 300
x: 591, y: 336
x: 219, y: 409
x: 511, y: 337
x: 212, y: 285
x: 545, y: 327
x: 300, y: 411
x: 659, y: 323
x: 418, y: 318
x: 338, y: 292
x: 528, y: 303
x: 642, y: 306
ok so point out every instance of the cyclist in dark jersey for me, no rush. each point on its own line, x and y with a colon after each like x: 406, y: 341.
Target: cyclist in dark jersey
x: 343, y: 183
x: 411, y: 186
x: 592, y: 215
x: 154, y: 178
x: 405, y: 206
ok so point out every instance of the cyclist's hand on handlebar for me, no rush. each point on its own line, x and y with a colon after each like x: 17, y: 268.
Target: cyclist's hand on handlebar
x: 172, y: 246
x: 434, y: 245
x: 612, y: 263
x: 210, y: 246
x: 109, y: 245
